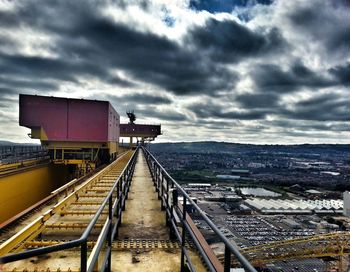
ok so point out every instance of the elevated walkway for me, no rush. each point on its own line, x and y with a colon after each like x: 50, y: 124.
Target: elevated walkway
x: 143, y: 217
x: 143, y: 241
x: 130, y: 216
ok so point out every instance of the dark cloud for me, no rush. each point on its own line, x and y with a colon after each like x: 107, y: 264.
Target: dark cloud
x: 211, y: 110
x: 272, y: 78
x: 89, y: 43
x: 80, y: 44
x: 141, y: 98
x: 327, y: 107
x: 8, y: 19
x: 310, y: 125
x: 215, y: 124
x: 116, y: 80
x: 31, y: 67
x: 28, y: 84
x: 145, y: 105
x: 257, y: 100
x: 149, y: 57
x: 229, y: 41
x: 342, y: 73
x: 324, y: 22
x: 7, y: 43
x: 166, y: 115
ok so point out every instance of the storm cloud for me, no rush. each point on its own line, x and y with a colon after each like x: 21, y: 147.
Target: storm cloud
x: 229, y: 41
x: 262, y: 67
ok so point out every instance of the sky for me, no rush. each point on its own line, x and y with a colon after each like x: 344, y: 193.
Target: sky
x: 263, y: 72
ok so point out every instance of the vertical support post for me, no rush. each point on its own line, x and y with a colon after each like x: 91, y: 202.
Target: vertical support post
x: 163, y: 198
x: 173, y: 204
x: 154, y: 173
x: 127, y: 182
x: 227, y: 265
x: 167, y: 203
x: 118, y: 189
x: 117, y: 211
x: 83, y: 257
x: 158, y: 178
x: 157, y: 181
x: 110, y: 238
x: 183, y: 238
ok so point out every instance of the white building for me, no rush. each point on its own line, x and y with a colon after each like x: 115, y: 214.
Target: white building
x: 346, y: 197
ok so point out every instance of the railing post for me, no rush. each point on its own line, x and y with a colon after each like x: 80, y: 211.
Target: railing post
x: 227, y: 265
x: 173, y: 204
x: 183, y: 240
x: 127, y: 183
x: 163, y: 205
x: 154, y: 173
x: 167, y: 203
x: 110, y: 238
x: 83, y: 257
x: 158, y: 180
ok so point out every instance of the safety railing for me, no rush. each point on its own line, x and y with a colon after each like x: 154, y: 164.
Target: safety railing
x: 19, y: 153
x: 169, y: 191
x: 115, y: 203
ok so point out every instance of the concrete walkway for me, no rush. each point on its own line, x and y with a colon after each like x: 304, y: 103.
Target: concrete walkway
x: 143, y: 219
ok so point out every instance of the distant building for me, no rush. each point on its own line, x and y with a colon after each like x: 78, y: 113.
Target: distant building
x: 241, y: 172
x: 346, y: 197
x: 291, y: 223
x: 313, y: 192
x: 229, y: 177
x: 200, y: 185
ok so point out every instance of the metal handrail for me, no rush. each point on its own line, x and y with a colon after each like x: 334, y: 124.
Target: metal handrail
x: 123, y: 180
x: 229, y: 247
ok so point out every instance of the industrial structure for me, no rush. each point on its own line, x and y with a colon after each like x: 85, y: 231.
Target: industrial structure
x: 90, y: 223
x: 89, y: 205
x: 77, y: 132
x: 146, y: 133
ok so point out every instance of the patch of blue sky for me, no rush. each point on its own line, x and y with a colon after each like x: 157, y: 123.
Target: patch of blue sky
x: 217, y: 6
x: 167, y: 18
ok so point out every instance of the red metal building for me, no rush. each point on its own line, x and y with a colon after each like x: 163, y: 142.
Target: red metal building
x: 75, y: 131
x: 69, y: 120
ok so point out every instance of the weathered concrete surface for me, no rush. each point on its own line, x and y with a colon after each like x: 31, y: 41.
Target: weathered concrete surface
x: 143, y: 217
x: 152, y: 260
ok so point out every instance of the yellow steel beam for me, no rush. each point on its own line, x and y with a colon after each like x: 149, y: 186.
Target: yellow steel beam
x: 320, y: 237
x: 30, y: 237
x: 44, y: 243
x: 70, y: 226
x: 86, y: 203
x: 27, y: 232
x: 21, y: 236
x: 317, y: 246
x: 81, y: 212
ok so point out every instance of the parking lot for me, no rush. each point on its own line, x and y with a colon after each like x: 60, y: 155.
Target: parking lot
x: 257, y: 230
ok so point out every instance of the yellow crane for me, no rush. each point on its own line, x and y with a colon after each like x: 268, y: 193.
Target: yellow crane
x: 335, y: 245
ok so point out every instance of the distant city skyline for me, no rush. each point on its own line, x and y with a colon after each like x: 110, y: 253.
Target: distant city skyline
x: 243, y: 71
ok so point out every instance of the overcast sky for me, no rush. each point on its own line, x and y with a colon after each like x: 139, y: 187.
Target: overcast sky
x: 225, y: 70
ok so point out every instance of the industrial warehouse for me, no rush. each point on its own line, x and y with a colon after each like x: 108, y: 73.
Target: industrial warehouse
x: 285, y: 206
